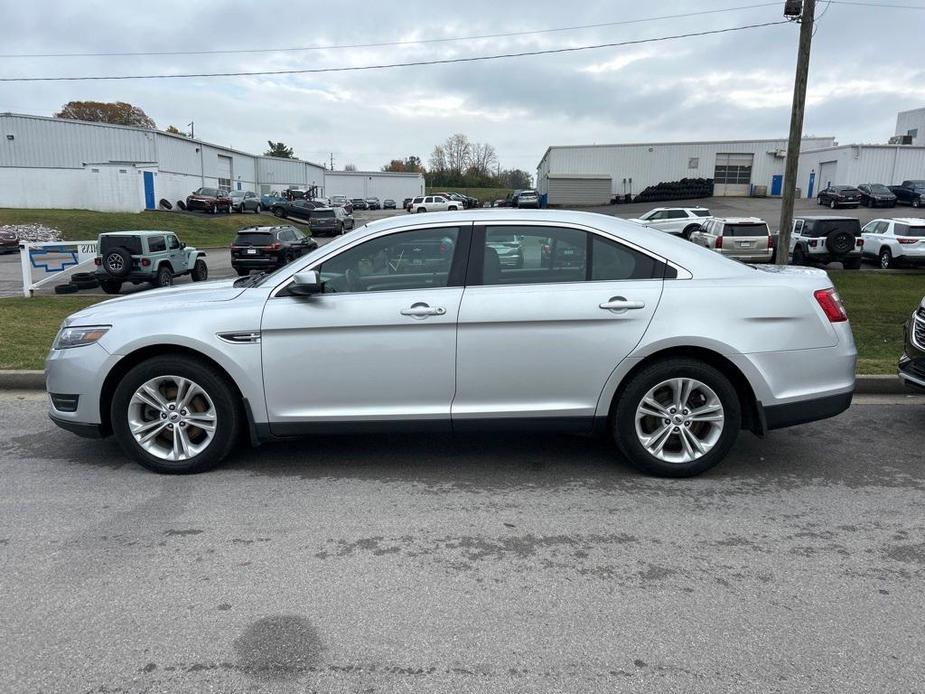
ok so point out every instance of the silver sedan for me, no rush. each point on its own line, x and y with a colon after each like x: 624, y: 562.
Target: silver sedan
x: 416, y: 323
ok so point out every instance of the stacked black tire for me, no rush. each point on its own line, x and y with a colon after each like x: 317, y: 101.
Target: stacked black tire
x: 685, y: 189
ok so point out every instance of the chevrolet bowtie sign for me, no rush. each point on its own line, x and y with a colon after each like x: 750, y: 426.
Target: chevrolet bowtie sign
x: 46, y: 263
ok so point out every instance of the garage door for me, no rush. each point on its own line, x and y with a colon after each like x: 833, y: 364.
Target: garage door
x: 827, y: 172
x: 579, y: 191
x: 224, y: 172
x: 733, y: 174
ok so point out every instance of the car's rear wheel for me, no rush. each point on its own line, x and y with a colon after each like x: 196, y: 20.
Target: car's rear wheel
x: 278, y: 212
x: 164, y: 277
x: 175, y: 414
x: 677, y: 418
x: 799, y: 256
x: 422, y: 209
x: 916, y: 202
x: 200, y: 272
x: 111, y: 286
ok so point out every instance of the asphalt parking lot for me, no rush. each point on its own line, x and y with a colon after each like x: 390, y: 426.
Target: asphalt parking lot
x: 479, y: 564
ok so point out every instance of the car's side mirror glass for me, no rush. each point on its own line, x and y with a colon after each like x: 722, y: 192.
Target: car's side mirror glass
x: 183, y: 245
x: 306, y: 283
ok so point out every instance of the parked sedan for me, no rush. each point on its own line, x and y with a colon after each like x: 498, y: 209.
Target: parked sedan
x: 839, y: 196
x: 389, y: 204
x: 297, y: 209
x: 431, y: 330
x: 268, y: 248
x: 211, y: 200
x: 9, y: 242
x: 373, y: 204
x: 876, y: 195
x: 244, y: 201
x: 267, y: 200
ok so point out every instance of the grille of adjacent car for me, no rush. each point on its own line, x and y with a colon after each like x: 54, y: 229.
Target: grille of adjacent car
x: 918, y: 327
x: 916, y: 367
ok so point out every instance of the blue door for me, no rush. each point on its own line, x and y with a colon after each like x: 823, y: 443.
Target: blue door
x: 812, y: 182
x: 777, y: 185
x: 149, y: 189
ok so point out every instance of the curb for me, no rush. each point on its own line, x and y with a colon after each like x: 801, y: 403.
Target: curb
x: 865, y: 385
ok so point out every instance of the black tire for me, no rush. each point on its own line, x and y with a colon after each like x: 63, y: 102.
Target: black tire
x: 213, y: 382
x: 257, y: 209
x: 118, y: 262
x: 852, y: 264
x: 840, y: 242
x: 422, y: 209
x: 213, y: 209
x: 165, y: 204
x: 69, y: 288
x: 833, y: 204
x: 83, y: 276
x: 799, y: 256
x: 164, y: 277
x: 916, y: 202
x: 242, y: 271
x: 886, y: 259
x: 111, y: 286
x: 818, y: 201
x: 624, y: 419
x: 278, y: 212
x: 91, y: 283
x: 686, y: 234
x: 200, y: 271
x: 181, y: 205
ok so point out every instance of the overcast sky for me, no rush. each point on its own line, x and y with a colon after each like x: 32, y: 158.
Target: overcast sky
x: 868, y: 63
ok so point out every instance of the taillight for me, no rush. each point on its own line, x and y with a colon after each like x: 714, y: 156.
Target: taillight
x: 859, y: 243
x: 771, y: 242
x: 719, y: 242
x: 831, y: 305
x: 98, y: 261
x: 813, y: 243
x: 906, y: 242
x: 145, y: 262
x: 275, y: 246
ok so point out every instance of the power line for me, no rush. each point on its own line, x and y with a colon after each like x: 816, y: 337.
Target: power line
x: 382, y: 44
x: 384, y: 66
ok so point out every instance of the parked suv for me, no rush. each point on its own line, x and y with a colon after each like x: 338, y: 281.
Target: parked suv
x: 912, y: 361
x: 899, y: 241
x: 839, y: 196
x: 268, y: 248
x: 433, y: 203
x: 330, y: 221
x: 819, y: 239
x: 876, y: 195
x: 145, y: 256
x: 244, y: 201
x: 680, y: 221
x: 910, y: 193
x: 209, y: 199
x: 747, y: 239
x: 527, y: 198
x: 373, y: 204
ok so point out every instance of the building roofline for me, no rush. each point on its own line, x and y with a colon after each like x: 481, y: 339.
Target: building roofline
x: 374, y: 173
x: 861, y: 146
x: 689, y: 142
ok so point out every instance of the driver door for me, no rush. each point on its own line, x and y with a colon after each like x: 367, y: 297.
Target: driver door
x: 378, y: 346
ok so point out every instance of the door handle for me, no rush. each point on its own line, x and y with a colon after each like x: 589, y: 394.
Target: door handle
x: 620, y: 304
x: 422, y: 310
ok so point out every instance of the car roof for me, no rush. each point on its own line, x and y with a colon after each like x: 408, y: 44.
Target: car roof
x: 267, y: 230
x: 740, y: 220
x: 137, y: 232
x: 823, y: 217
x: 911, y: 221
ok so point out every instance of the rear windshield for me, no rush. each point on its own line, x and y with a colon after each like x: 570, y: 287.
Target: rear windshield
x: 906, y: 230
x: 132, y: 243
x: 701, y: 213
x: 254, y: 238
x: 322, y: 214
x: 824, y: 227
x: 745, y: 230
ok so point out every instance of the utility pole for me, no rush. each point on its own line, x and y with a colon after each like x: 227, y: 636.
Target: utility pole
x: 796, y: 126
x: 332, y: 161
x: 192, y: 130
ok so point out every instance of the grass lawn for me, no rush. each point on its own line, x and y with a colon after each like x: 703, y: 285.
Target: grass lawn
x: 195, y: 228
x: 878, y: 305
x: 27, y: 327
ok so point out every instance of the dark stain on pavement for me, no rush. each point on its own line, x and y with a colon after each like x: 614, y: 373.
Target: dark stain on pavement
x: 183, y: 533
x: 279, y: 647
x: 911, y: 554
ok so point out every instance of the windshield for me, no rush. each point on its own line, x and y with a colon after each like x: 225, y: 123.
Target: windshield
x: 878, y: 188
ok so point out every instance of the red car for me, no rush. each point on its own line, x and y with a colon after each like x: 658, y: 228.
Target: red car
x: 209, y: 200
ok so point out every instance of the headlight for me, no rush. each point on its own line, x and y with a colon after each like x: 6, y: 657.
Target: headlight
x: 79, y: 336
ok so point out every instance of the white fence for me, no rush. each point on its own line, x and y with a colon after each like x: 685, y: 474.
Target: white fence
x: 42, y: 263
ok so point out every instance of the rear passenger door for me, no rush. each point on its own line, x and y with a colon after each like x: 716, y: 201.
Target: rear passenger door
x: 548, y: 312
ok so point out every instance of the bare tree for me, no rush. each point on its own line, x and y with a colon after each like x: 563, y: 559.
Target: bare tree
x: 483, y: 159
x: 438, y: 159
x: 350, y: 167
x: 458, y: 152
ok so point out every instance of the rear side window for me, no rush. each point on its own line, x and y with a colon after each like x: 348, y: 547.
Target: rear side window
x: 156, y: 244
x: 701, y: 213
x: 745, y: 230
x: 132, y: 243
x: 676, y: 214
x: 613, y: 261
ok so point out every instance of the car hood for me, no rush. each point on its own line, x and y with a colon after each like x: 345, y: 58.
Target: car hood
x: 155, y: 300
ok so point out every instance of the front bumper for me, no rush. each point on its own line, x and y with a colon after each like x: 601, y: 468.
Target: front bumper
x: 78, y: 371
x: 912, y: 373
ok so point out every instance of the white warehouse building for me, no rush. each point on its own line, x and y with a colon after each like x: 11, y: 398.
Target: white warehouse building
x: 57, y: 163
x: 593, y: 174
x: 854, y: 165
x: 369, y: 184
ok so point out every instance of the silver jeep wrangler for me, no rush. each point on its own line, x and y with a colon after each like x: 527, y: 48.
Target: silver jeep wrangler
x: 145, y: 256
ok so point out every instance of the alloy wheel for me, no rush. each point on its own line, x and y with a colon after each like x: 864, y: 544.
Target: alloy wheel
x: 172, y: 418
x: 679, y: 420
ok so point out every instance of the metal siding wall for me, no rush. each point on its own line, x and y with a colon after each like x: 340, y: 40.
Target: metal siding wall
x: 41, y: 142
x: 364, y: 184
x: 889, y: 165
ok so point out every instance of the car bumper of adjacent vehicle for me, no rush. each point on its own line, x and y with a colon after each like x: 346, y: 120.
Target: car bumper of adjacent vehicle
x: 73, y: 381
x: 912, y: 372
x: 255, y: 263
x: 748, y: 256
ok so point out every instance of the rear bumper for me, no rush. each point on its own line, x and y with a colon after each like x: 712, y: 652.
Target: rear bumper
x: 253, y: 263
x: 804, y: 411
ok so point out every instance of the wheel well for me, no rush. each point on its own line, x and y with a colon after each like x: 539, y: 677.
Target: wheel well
x: 130, y: 361
x: 751, y: 417
x: 162, y: 264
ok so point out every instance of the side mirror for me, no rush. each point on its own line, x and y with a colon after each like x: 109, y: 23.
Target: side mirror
x: 182, y: 244
x: 306, y: 283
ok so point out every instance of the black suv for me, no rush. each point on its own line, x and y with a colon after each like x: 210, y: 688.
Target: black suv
x: 268, y: 248
x: 826, y: 240
x: 839, y: 196
x: 912, y: 362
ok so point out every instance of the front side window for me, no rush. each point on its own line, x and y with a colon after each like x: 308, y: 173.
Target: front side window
x: 550, y: 255
x: 416, y: 259
x: 173, y: 243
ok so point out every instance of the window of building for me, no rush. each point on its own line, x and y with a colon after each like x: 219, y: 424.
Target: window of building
x: 224, y: 183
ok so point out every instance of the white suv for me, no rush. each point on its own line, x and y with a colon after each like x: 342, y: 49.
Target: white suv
x: 433, y: 203
x: 895, y: 241
x: 680, y: 221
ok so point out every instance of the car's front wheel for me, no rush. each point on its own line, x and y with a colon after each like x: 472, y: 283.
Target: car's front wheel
x: 677, y: 418
x: 833, y: 204
x: 200, y: 271
x: 175, y: 414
